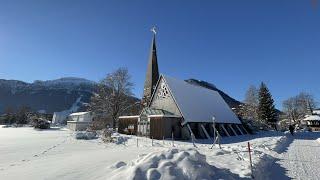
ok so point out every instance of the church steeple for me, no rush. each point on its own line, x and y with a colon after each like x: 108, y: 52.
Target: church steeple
x: 152, y: 76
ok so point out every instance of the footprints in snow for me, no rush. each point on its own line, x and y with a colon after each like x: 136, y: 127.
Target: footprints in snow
x: 49, y: 149
x: 35, y: 156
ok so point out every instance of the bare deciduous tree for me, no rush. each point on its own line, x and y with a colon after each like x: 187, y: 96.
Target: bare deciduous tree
x: 114, y: 95
x: 298, y: 106
x: 290, y: 107
x: 250, y: 108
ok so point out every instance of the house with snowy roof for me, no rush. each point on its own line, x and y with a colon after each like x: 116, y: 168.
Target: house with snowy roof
x: 316, y: 111
x: 176, y: 108
x: 79, y: 121
x: 312, y: 122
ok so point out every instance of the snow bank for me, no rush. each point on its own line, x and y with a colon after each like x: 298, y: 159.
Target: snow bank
x: 85, y: 135
x: 170, y: 164
x: 267, y: 167
x: 318, y: 140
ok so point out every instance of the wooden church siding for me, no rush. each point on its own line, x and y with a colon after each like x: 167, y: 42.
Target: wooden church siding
x: 163, y: 127
x: 125, y: 122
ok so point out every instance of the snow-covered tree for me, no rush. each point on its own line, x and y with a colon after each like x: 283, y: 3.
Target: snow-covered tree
x: 249, y: 110
x: 266, y: 109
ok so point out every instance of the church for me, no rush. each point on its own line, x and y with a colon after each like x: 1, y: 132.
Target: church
x: 174, y: 108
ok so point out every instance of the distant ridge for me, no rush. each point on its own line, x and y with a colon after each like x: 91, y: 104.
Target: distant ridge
x: 51, y: 96
x: 60, y: 94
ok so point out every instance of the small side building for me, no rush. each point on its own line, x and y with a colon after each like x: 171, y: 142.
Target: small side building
x: 312, y: 122
x: 128, y: 125
x: 60, y: 118
x: 79, y: 121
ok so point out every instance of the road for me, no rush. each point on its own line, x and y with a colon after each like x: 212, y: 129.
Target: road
x: 302, y: 158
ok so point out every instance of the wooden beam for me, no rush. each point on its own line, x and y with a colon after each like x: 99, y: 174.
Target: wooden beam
x: 192, y: 136
x: 224, y: 129
x: 191, y: 133
x: 235, y: 133
x: 205, y: 131
x: 244, y: 129
x: 239, y: 129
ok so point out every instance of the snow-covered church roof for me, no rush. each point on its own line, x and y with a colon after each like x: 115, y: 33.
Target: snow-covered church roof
x: 198, y: 104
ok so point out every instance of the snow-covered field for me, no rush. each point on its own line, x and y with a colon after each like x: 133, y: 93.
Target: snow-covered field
x: 55, y: 154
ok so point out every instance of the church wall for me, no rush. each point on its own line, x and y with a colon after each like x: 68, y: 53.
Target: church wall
x: 164, y: 100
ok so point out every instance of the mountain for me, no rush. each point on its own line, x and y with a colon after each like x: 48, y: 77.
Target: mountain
x: 51, y: 96
x: 64, y: 94
x: 233, y: 103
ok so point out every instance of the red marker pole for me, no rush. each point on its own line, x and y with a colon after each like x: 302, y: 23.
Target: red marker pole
x: 249, y: 151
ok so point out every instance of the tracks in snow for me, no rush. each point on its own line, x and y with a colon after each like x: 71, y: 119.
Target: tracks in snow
x: 38, y: 155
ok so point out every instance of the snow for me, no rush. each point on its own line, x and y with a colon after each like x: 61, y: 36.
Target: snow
x: 75, y: 105
x: 170, y: 164
x: 198, y: 104
x: 79, y: 113
x: 80, y: 117
x: 61, y: 117
x: 26, y: 153
x: 66, y: 82
x: 312, y: 118
x: 317, y: 111
x: 302, y: 158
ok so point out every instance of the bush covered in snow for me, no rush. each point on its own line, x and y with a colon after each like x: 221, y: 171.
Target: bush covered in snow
x: 109, y: 136
x: 170, y: 164
x: 106, y: 135
x: 41, y: 124
x: 85, y: 135
x: 119, y: 139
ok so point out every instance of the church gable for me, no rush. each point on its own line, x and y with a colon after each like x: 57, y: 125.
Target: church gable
x: 163, y: 99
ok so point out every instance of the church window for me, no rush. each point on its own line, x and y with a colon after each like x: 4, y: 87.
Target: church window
x: 163, y: 91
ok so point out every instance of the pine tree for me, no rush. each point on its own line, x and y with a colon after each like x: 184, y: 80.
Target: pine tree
x: 266, y: 108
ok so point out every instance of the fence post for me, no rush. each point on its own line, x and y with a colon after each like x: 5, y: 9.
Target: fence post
x: 151, y: 140
x: 172, y: 140
x: 249, y: 151
x: 163, y: 140
x: 137, y: 142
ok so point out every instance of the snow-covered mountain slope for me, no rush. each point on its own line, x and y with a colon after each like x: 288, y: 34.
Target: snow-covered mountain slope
x: 67, y: 82
x: 51, y: 96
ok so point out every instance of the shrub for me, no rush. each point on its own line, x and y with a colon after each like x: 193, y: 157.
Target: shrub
x: 42, y: 124
x: 86, y: 135
x: 106, y: 135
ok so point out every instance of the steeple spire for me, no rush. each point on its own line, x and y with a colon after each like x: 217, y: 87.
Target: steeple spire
x: 152, y: 72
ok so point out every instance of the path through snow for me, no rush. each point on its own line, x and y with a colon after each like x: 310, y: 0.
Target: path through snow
x: 302, y: 158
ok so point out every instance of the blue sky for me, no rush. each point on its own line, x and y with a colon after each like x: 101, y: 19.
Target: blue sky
x: 231, y: 44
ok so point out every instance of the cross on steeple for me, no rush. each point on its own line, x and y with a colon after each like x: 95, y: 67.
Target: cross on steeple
x: 154, y: 30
